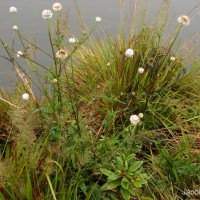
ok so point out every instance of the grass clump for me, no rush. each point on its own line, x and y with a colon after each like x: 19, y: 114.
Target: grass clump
x: 118, y: 118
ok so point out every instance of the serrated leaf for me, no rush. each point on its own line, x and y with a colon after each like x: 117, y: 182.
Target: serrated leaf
x: 106, y: 172
x: 125, y: 193
x: 135, y: 166
x: 111, y: 185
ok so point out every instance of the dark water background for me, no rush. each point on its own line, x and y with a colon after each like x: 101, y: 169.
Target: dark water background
x: 31, y: 24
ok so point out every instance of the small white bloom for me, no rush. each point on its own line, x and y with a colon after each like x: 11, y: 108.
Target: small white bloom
x: 15, y: 27
x: 25, y: 96
x: 62, y: 54
x: 5, y: 45
x: 72, y: 40
x: 47, y: 14
x: 134, y: 119
x: 55, y: 81
x: 13, y: 9
x: 184, y: 20
x: 57, y: 6
x: 108, y: 64
x: 129, y: 52
x: 172, y: 59
x: 141, y: 115
x: 140, y: 70
x: 19, y: 54
x: 98, y: 19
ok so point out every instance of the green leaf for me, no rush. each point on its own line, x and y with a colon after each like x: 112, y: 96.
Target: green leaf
x: 132, y: 190
x: 119, y: 163
x: 106, y: 172
x: 135, y: 166
x: 29, y: 187
x: 113, y: 177
x: 111, y: 185
x: 125, y: 184
x: 125, y: 193
x: 130, y: 157
x: 137, y: 184
x: 129, y: 175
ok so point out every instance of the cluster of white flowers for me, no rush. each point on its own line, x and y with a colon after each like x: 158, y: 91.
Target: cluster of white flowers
x: 57, y: 6
x: 61, y: 54
x: 129, y: 53
x: 25, y: 96
x: 135, y: 119
x: 72, y: 40
x: 184, y: 20
x: 140, y: 70
x: 19, y: 54
x: 98, y: 19
x: 13, y: 9
x: 47, y: 14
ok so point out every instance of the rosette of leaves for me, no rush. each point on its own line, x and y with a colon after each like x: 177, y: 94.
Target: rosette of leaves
x: 126, y: 176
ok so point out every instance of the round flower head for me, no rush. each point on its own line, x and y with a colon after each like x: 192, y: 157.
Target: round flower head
x: 141, y: 70
x: 108, y: 64
x: 55, y: 81
x: 57, y: 6
x: 98, y: 19
x: 172, y: 59
x: 129, y: 52
x: 72, y: 40
x: 15, y: 27
x: 134, y: 119
x: 25, y: 96
x: 46, y: 14
x: 184, y: 20
x: 140, y: 115
x: 62, y: 54
x: 19, y: 54
x: 13, y: 10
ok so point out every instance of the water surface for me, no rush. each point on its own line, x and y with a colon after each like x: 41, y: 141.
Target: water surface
x: 31, y: 24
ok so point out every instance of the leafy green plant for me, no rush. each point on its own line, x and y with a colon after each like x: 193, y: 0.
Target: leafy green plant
x: 126, y: 176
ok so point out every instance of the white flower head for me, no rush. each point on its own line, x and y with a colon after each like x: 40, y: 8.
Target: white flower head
x: 98, y: 19
x: 172, y: 59
x: 13, y: 9
x: 47, y: 14
x: 72, y: 40
x: 19, y: 54
x: 140, y: 70
x: 129, y: 53
x: 25, y: 96
x: 62, y: 54
x: 108, y: 64
x: 134, y: 119
x: 184, y: 20
x: 141, y: 115
x: 15, y: 28
x: 57, y: 6
x: 55, y: 81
